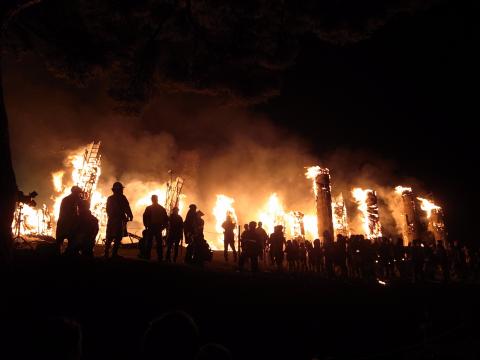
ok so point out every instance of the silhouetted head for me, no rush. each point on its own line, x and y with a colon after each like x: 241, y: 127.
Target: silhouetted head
x: 252, y: 225
x: 192, y: 207
x: 278, y: 228
x: 84, y: 206
x: 213, y: 352
x: 172, y: 336
x: 260, y: 224
x: 245, y: 227
x: 154, y: 199
x: 175, y: 210
x: 55, y: 339
x: 76, y: 190
x: 117, y: 187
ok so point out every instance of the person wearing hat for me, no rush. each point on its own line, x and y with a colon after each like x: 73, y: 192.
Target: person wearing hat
x: 174, y: 234
x: 189, y: 229
x: 118, y: 212
x: 68, y: 219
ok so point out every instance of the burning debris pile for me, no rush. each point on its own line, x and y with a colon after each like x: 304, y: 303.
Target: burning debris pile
x: 325, y: 218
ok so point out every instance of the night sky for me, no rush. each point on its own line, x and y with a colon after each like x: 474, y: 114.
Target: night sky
x: 387, y: 80
x: 404, y: 93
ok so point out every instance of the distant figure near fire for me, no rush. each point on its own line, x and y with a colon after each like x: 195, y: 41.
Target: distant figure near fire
x: 250, y: 247
x: 119, y: 213
x: 174, y: 234
x: 68, y: 219
x: 229, y: 237
x: 155, y: 220
x: 190, y: 228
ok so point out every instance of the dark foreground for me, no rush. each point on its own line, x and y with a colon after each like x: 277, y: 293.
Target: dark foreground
x: 257, y: 316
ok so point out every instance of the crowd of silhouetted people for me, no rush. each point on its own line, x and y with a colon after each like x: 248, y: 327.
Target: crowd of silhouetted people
x: 80, y: 228
x: 354, y: 257
x: 357, y: 257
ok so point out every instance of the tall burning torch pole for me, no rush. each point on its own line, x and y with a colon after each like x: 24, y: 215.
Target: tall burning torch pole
x: 323, y: 200
x: 411, y: 228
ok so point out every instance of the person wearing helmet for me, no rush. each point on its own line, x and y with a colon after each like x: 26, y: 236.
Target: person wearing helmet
x: 119, y: 213
x: 68, y: 218
x: 155, y: 220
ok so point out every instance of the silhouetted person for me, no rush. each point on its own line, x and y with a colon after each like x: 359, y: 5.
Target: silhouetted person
x: 385, y: 258
x: 119, y: 213
x: 310, y: 263
x: 189, y: 227
x: 458, y: 260
x: 399, y: 255
x: 430, y: 263
x: 201, y: 249
x: 277, y: 242
x: 242, y: 237
x: 329, y: 254
x: 442, y: 261
x: 174, y: 234
x: 155, y: 220
x: 229, y: 237
x: 302, y: 257
x: 213, y: 352
x: 291, y: 256
x: 250, y: 247
x: 263, y: 239
x: 172, y: 336
x: 68, y: 218
x: 341, y: 254
x: 317, y: 255
x: 418, y: 259
x: 87, y: 229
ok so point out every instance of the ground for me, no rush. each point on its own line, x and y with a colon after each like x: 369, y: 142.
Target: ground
x: 258, y: 316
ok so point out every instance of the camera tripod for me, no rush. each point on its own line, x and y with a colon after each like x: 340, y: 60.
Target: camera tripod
x: 18, y: 239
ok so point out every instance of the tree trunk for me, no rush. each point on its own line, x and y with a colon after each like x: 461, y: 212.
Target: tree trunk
x: 8, y: 185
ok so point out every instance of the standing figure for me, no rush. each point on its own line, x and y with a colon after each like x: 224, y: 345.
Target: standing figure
x: 68, y: 219
x: 155, y: 220
x: 189, y: 229
x: 229, y: 237
x: 201, y: 249
x: 174, y: 233
x: 418, y: 259
x: 277, y: 243
x: 119, y: 213
x: 263, y: 238
x: 317, y: 256
x: 442, y: 261
x: 291, y: 256
x: 250, y: 247
x: 87, y: 230
x: 302, y: 257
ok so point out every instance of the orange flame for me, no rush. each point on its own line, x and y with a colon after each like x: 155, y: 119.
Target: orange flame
x: 400, y: 190
x: 370, y: 218
x: 428, y: 206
